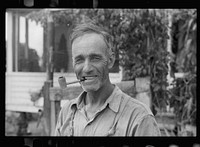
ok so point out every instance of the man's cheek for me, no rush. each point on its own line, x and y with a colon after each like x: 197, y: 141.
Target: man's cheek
x: 77, y: 70
x: 102, y: 71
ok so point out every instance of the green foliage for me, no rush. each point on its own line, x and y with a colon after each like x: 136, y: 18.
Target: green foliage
x: 142, y: 48
x: 187, y: 44
x: 183, y: 98
x: 183, y: 95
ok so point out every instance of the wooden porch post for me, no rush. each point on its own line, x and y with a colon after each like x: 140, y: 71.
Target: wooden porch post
x: 49, y: 72
x: 50, y: 48
x: 46, y: 109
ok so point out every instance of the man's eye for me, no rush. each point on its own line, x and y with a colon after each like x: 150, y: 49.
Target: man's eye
x: 78, y: 60
x: 96, y: 58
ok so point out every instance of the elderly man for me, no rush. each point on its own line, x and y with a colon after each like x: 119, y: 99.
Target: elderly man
x: 102, y: 109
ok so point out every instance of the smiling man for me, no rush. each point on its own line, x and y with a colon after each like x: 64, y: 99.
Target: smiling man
x: 102, y: 109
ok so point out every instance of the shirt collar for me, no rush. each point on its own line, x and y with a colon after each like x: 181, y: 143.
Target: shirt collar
x: 113, y: 100
x: 78, y: 102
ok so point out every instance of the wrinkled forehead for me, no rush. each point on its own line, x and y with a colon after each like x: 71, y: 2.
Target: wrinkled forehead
x: 88, y: 43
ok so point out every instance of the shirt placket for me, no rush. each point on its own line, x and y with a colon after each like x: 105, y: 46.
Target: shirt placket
x: 87, y: 126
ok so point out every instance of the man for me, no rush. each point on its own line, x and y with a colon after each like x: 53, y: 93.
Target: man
x: 102, y: 109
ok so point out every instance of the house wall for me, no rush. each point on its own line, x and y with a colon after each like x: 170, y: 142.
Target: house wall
x: 20, y: 84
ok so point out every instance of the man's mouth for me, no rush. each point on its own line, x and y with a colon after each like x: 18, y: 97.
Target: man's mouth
x: 88, y: 77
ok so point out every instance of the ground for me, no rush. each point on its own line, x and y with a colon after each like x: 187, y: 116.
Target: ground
x: 12, y: 120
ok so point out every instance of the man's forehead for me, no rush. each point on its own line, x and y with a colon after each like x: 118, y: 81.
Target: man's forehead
x: 89, y: 38
x: 88, y: 43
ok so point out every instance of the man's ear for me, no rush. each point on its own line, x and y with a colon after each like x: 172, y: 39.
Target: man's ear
x: 111, y: 60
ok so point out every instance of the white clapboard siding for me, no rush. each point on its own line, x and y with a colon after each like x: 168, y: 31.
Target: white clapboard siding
x: 18, y: 88
x: 20, y: 95
x: 23, y: 101
x: 20, y: 84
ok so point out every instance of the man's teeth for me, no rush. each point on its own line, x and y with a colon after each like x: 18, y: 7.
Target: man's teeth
x: 90, y: 78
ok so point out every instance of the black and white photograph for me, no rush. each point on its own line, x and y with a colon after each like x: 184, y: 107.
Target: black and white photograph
x: 100, y: 72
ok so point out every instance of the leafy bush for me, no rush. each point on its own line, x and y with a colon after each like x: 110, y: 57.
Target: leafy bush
x: 183, y: 95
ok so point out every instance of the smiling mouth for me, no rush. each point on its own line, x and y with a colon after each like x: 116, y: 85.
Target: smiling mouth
x: 88, y: 77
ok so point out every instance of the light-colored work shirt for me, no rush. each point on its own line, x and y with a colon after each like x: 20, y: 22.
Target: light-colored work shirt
x: 121, y: 115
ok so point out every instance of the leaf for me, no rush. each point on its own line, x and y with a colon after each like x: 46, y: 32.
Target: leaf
x: 156, y: 88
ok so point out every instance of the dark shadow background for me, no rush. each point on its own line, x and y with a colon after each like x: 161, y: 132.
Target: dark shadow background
x: 103, y: 4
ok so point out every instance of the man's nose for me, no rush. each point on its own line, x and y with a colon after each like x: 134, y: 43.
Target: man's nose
x: 87, y: 67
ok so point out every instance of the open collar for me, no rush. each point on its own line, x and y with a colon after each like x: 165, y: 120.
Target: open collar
x: 113, y: 100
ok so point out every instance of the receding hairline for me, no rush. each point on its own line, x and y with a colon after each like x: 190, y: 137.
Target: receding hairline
x: 90, y: 27
x: 78, y: 33
x: 89, y: 37
x: 90, y: 33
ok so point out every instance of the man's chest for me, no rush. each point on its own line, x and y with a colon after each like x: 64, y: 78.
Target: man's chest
x: 98, y: 125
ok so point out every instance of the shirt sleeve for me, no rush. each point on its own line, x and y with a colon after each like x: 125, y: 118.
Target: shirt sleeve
x: 58, y: 124
x: 63, y: 112
x: 64, y: 115
x: 147, y: 126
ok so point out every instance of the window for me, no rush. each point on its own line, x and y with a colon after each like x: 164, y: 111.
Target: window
x: 30, y: 49
x: 28, y: 46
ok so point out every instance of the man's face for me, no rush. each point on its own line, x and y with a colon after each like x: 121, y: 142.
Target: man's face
x: 89, y: 59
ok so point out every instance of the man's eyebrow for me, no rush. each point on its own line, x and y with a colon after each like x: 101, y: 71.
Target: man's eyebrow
x: 90, y: 55
x: 95, y: 55
x: 79, y: 57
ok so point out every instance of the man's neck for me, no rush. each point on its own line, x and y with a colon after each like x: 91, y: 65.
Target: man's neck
x: 97, y: 98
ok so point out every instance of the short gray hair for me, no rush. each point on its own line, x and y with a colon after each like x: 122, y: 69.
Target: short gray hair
x: 90, y: 26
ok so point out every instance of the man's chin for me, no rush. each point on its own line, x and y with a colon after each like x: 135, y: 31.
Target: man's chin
x: 90, y: 88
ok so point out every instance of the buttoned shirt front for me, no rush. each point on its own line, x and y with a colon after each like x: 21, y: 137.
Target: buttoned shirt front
x: 121, y: 115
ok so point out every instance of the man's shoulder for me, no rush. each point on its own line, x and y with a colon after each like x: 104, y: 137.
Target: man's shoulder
x: 67, y: 105
x: 135, y: 105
